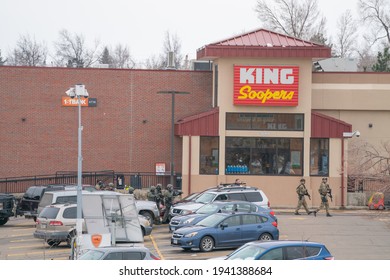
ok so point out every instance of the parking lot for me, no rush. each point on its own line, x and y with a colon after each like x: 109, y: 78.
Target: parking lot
x: 349, y: 235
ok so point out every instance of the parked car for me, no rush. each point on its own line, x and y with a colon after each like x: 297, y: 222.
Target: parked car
x: 217, y: 207
x: 56, y: 223
x: 28, y: 205
x: 7, y: 202
x: 146, y: 208
x: 224, y: 230
x: 280, y: 250
x: 226, y: 192
x: 145, y: 225
x: 119, y: 253
x: 149, y: 210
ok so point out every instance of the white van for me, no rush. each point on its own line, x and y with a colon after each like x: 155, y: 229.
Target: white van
x: 57, y: 197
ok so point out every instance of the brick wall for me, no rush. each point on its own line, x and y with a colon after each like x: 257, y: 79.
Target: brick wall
x: 128, y: 131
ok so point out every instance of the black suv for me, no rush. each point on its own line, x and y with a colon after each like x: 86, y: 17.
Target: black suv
x: 28, y: 204
x: 7, y: 202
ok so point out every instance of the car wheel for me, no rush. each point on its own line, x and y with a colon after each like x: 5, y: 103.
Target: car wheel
x: 3, y: 221
x: 53, y: 243
x: 148, y: 216
x: 380, y: 207
x: 206, y: 244
x: 265, y: 237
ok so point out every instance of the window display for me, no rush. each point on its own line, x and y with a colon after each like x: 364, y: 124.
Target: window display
x: 264, y: 156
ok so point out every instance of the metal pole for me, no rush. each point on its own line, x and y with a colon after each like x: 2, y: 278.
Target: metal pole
x: 172, y: 138
x: 79, y: 222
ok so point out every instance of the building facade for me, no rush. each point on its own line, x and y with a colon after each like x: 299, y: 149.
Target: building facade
x: 260, y: 115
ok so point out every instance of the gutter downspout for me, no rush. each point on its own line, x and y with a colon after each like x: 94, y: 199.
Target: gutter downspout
x: 189, y: 164
x: 342, y: 171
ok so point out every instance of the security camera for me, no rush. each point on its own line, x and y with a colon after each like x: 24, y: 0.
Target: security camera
x: 357, y: 133
x: 86, y: 94
x: 71, y: 92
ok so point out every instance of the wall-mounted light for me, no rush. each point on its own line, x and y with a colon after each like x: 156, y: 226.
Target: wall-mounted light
x: 370, y: 125
x: 144, y: 121
x: 23, y: 119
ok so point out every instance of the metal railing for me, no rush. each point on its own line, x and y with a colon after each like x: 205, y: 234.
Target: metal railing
x: 137, y: 180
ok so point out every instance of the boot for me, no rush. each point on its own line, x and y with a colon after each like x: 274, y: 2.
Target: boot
x: 328, y: 215
x: 310, y: 212
x: 296, y: 213
x: 315, y: 213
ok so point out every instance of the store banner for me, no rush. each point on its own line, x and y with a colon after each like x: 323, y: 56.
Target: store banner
x: 266, y: 85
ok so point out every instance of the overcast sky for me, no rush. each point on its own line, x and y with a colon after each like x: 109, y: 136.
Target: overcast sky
x: 141, y: 24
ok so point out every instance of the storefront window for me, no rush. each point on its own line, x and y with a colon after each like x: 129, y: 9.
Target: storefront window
x: 209, y: 155
x: 264, y: 156
x: 319, y: 157
x: 264, y: 121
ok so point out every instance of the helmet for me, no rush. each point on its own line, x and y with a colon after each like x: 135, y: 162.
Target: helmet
x: 152, y: 188
x: 324, y: 179
x: 111, y: 184
x: 170, y: 187
x: 303, y: 180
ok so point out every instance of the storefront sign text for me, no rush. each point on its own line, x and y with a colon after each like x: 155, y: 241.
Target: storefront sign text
x: 266, y: 85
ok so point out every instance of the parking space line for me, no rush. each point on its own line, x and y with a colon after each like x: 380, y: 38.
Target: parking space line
x: 156, y: 247
x: 36, y: 253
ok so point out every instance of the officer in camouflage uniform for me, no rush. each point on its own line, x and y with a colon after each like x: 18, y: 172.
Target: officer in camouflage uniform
x: 324, y: 191
x: 152, y: 194
x: 168, y: 196
x: 302, y: 192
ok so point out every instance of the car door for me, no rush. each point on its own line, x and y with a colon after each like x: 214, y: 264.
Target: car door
x: 228, y: 232
x: 251, y: 228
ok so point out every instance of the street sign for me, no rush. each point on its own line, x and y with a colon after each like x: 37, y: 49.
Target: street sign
x: 73, y: 102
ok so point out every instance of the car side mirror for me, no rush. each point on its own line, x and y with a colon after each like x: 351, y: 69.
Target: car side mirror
x: 223, y: 225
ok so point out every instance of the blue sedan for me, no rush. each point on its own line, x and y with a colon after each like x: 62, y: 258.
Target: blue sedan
x: 281, y: 250
x: 217, y: 207
x: 226, y: 230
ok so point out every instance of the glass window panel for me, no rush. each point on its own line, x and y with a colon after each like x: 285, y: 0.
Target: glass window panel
x: 209, y: 155
x: 258, y: 156
x: 319, y: 156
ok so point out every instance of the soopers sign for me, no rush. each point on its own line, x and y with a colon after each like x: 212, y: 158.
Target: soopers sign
x: 266, y: 85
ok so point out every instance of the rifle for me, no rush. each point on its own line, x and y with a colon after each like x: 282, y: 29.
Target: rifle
x: 308, y: 195
x: 330, y: 195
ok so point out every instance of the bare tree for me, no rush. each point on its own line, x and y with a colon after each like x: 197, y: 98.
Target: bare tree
x: 2, y: 60
x: 366, y: 57
x: 71, y: 51
x: 121, y: 57
x: 345, y: 42
x: 367, y: 159
x: 171, y: 44
x: 297, y: 18
x: 28, y: 52
x: 376, y: 13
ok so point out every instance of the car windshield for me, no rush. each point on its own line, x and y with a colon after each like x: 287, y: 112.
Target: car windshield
x: 211, y: 220
x: 92, y: 255
x: 207, y: 209
x: 248, y: 252
x: 205, y: 198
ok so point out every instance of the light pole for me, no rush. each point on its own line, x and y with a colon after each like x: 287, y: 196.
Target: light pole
x: 79, y: 91
x: 172, y: 93
x: 345, y: 135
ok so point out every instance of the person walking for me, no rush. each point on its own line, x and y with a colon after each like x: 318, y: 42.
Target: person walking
x: 302, y: 192
x: 325, y: 191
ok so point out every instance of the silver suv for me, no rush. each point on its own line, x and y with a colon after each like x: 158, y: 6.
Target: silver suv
x: 222, y: 193
x: 57, y: 223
